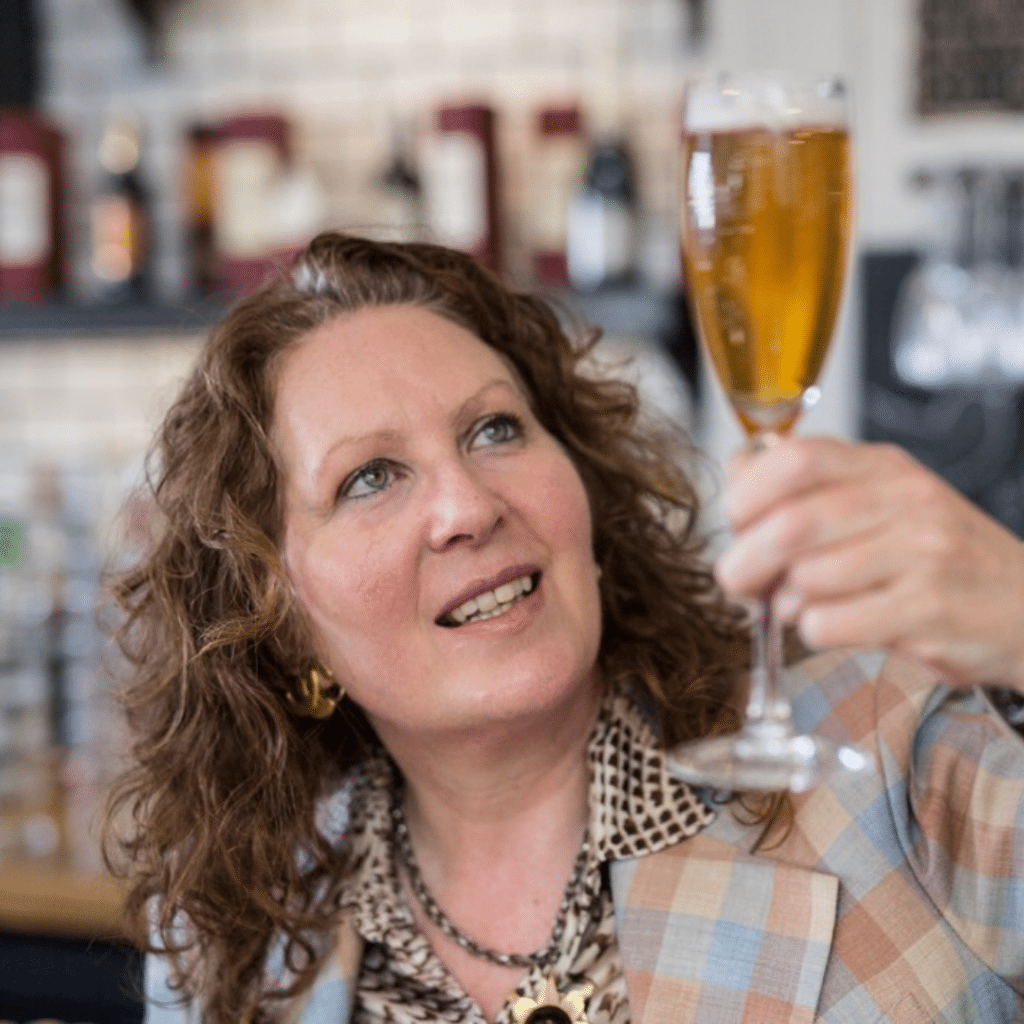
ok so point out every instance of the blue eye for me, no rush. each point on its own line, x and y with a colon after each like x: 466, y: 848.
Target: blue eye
x: 372, y: 478
x: 498, y: 429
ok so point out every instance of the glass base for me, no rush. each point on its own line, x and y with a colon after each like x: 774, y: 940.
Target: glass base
x: 763, y: 416
x: 751, y: 761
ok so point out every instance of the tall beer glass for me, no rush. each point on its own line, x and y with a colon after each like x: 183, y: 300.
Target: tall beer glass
x: 765, y: 215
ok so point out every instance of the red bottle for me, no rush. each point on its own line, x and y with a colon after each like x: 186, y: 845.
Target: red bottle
x: 250, y: 155
x: 460, y: 182
x: 32, y: 254
x: 560, y: 153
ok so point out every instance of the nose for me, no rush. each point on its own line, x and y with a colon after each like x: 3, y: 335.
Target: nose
x: 463, y: 508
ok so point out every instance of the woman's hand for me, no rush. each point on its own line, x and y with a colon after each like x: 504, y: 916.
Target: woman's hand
x: 868, y: 548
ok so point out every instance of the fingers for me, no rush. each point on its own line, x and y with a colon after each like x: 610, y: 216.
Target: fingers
x: 912, y: 586
x: 865, y: 547
x: 933, y: 546
x: 807, y: 540
x: 915, y: 623
x: 827, y: 575
x: 864, y: 620
x: 759, y: 481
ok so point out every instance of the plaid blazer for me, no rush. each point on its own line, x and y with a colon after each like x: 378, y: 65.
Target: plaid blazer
x: 894, y: 897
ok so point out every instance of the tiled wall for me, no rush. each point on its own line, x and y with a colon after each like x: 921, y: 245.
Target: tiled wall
x: 345, y: 71
x: 76, y: 416
x: 92, y: 402
x: 82, y: 412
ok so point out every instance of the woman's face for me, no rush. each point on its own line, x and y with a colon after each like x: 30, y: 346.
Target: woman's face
x: 437, y: 537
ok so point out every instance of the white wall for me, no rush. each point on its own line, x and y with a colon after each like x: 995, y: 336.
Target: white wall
x: 341, y: 68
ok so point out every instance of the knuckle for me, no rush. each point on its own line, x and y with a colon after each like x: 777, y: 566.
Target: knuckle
x: 926, y: 491
x: 935, y: 541
x: 803, y: 460
x: 797, y: 528
x: 892, y: 455
x: 805, y: 578
x: 921, y: 489
x: 928, y: 612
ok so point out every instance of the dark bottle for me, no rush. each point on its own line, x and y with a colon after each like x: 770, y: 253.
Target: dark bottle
x: 400, y: 194
x: 602, y: 223
x: 198, y: 203
x: 1013, y: 222
x: 120, y: 223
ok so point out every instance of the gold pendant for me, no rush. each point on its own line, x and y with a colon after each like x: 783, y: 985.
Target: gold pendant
x: 553, y: 1008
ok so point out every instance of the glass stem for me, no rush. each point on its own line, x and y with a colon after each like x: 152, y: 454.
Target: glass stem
x: 768, y: 712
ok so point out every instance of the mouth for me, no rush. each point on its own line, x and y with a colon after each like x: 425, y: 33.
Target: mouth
x: 489, y: 604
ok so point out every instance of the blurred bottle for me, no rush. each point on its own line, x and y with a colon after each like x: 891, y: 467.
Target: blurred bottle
x: 603, y: 214
x: 461, y: 186
x: 30, y: 622
x: 265, y: 204
x: 603, y: 222
x: 398, y: 194
x: 1013, y: 241
x: 929, y: 323
x: 12, y: 658
x: 120, y: 221
x: 32, y: 244
x: 603, y: 219
x: 82, y: 695
x: 557, y: 170
x: 958, y: 317
x: 198, y: 204
x: 298, y: 211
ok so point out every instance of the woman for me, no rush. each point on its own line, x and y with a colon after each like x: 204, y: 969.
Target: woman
x: 426, y: 609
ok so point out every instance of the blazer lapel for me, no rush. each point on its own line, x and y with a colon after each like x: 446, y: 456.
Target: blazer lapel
x: 709, y: 934
x: 332, y: 997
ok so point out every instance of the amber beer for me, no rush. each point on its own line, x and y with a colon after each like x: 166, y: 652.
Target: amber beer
x: 765, y: 230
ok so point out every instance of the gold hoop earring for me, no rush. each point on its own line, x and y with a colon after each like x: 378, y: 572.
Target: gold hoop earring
x: 319, y: 695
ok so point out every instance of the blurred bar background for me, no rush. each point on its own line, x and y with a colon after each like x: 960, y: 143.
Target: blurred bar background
x: 160, y: 157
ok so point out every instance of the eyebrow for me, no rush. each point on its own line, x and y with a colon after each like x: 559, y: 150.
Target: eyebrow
x: 467, y: 410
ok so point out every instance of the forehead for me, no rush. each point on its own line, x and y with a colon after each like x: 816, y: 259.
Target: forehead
x: 387, y: 347
x: 379, y: 369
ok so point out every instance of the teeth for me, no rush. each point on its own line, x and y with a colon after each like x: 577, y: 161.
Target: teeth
x: 491, y: 603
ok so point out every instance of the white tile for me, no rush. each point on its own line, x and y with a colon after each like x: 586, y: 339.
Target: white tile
x: 372, y: 33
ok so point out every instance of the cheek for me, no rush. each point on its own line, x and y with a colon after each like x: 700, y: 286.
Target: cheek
x: 562, y: 501
x: 331, y: 584
x: 350, y: 589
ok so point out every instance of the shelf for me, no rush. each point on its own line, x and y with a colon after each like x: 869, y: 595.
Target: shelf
x: 47, y: 898
x: 626, y: 310
x: 64, y: 320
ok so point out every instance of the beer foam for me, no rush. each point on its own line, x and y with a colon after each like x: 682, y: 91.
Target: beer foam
x: 731, y: 102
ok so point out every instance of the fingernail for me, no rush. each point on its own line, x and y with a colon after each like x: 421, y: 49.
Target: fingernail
x: 786, y: 605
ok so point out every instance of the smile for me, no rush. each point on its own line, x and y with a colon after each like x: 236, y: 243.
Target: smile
x: 491, y: 603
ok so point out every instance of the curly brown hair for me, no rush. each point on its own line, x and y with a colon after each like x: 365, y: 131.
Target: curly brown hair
x: 225, y: 855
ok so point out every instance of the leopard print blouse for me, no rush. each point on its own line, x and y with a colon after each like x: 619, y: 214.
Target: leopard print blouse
x: 636, y: 808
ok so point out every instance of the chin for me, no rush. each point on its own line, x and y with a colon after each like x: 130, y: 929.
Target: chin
x: 531, y: 694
